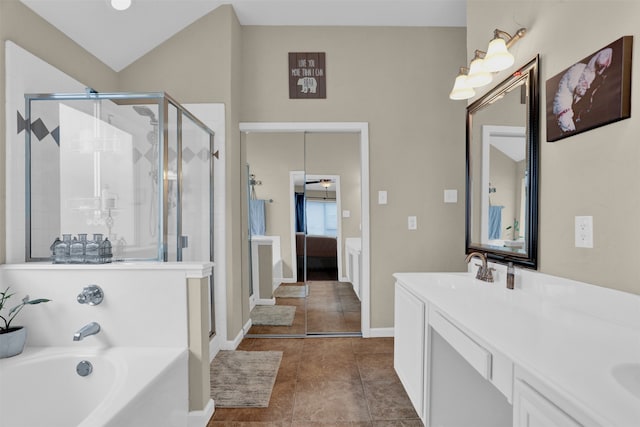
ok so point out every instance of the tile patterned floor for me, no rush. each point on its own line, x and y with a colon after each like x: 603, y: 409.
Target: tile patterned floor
x: 331, y: 306
x: 328, y: 382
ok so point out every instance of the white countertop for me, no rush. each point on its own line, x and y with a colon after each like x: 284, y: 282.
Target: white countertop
x: 569, y: 335
x: 191, y: 269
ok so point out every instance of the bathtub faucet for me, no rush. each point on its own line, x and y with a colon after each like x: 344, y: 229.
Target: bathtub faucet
x: 89, y: 329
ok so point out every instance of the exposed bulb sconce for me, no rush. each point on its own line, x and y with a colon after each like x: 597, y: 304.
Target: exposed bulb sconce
x: 497, y: 58
x: 120, y: 4
x: 461, y: 89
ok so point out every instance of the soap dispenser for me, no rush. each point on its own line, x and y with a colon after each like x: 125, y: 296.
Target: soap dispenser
x: 510, y: 276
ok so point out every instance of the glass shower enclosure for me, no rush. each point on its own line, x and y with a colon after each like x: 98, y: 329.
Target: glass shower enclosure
x: 136, y: 168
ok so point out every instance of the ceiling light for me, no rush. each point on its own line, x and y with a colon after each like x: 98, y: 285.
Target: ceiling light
x: 461, y: 89
x: 120, y: 4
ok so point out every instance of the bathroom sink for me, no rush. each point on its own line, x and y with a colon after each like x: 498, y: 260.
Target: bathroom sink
x: 628, y: 376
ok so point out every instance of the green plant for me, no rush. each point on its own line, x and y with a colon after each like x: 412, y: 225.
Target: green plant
x: 13, y: 312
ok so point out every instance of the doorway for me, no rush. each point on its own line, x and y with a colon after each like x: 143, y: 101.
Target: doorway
x: 329, y: 196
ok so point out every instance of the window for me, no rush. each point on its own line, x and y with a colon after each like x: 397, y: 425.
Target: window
x: 322, y: 218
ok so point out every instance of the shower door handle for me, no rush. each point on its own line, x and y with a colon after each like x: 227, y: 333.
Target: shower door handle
x: 184, y: 242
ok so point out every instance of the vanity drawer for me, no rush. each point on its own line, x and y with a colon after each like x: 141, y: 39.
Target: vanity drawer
x: 492, y: 365
x: 477, y: 356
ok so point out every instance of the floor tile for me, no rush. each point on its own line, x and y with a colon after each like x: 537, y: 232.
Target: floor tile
x: 387, y: 400
x: 376, y: 367
x: 330, y: 401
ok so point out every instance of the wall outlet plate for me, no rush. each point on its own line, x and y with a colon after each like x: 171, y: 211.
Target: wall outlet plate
x: 584, y: 231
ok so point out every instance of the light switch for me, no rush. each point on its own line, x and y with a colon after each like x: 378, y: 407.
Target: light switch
x: 382, y: 197
x: 346, y: 214
x: 451, y: 196
x: 412, y: 223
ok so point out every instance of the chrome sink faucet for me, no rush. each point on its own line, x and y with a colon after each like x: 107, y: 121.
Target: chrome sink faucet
x: 88, y: 329
x: 485, y: 273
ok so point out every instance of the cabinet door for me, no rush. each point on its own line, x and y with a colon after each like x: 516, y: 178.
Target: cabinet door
x: 531, y: 409
x: 409, y: 345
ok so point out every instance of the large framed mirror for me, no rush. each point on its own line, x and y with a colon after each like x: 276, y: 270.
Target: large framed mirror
x: 502, y: 170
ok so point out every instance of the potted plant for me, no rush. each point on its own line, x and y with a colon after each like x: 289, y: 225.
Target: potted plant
x: 13, y: 338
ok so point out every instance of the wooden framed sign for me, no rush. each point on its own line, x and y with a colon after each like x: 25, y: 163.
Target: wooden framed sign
x: 307, y: 75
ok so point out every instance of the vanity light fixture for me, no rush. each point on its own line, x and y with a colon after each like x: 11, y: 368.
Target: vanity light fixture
x: 478, y: 74
x: 120, y: 4
x: 497, y: 58
x: 461, y: 89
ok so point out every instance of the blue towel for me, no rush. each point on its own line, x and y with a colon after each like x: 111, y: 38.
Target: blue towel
x: 257, y: 215
x: 495, y: 222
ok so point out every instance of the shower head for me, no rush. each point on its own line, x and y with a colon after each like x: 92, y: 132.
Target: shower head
x: 146, y: 111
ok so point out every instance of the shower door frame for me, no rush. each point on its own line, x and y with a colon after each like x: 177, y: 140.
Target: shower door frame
x: 163, y: 100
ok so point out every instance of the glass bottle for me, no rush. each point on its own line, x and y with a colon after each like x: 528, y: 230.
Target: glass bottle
x: 61, y: 250
x: 76, y: 251
x: 106, y: 251
x: 92, y: 249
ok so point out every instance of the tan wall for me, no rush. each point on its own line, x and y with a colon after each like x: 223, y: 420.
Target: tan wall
x: 595, y: 172
x: 397, y: 80
x: 20, y: 25
x: 202, y: 64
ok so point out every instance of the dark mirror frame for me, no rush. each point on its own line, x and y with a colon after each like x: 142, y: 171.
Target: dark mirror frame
x: 530, y: 258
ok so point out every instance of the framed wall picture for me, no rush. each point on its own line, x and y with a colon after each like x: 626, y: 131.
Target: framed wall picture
x: 307, y: 75
x: 593, y: 92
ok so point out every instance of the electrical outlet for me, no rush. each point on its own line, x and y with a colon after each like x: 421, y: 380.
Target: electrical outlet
x: 584, y: 231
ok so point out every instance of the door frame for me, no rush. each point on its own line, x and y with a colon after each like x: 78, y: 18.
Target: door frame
x: 361, y: 128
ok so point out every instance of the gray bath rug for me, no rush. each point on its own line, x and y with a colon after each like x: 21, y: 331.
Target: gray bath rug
x: 243, y: 379
x: 290, y: 291
x: 273, y: 315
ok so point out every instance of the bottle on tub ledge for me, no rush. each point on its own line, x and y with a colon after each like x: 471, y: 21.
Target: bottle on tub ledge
x: 80, y: 250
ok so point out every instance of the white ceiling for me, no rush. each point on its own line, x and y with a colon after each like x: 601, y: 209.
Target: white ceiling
x: 119, y: 38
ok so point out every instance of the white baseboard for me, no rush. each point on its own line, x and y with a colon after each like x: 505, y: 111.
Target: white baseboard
x: 201, y: 418
x: 261, y: 301
x: 381, y: 332
x: 233, y: 344
x: 245, y: 329
x: 215, y: 345
x: 288, y: 280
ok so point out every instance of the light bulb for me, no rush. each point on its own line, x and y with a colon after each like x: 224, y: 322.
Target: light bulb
x: 498, y: 57
x: 120, y: 4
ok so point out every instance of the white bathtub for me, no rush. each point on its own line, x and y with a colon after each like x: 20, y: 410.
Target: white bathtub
x: 137, y: 387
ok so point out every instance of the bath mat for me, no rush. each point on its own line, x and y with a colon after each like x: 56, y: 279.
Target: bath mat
x: 273, y: 315
x: 291, y: 291
x: 243, y: 379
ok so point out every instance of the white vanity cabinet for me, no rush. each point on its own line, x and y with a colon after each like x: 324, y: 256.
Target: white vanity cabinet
x: 537, y: 405
x: 409, y: 346
x: 551, y: 353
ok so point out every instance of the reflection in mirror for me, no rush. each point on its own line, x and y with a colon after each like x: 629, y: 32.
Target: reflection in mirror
x: 502, y: 165
x: 273, y: 159
x: 333, y: 221
x: 304, y: 219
